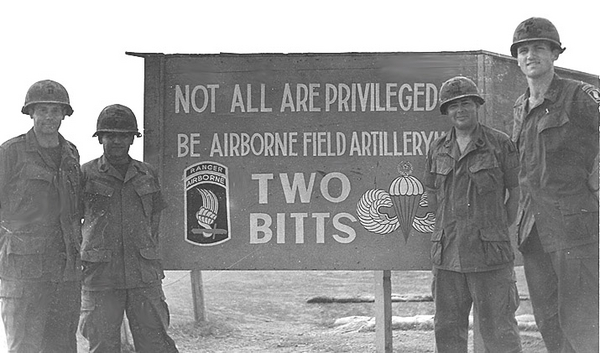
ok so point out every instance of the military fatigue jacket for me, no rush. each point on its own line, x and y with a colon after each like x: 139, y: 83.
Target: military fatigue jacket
x: 40, y: 227
x: 471, y: 228
x: 558, y: 142
x: 120, y: 246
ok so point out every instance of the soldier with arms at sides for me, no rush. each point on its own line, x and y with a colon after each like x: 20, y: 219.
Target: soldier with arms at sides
x: 469, y: 173
x: 556, y: 133
x: 40, y: 228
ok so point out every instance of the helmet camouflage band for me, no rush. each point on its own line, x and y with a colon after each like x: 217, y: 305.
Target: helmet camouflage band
x: 535, y: 28
x: 47, y: 91
x: 117, y: 118
x: 457, y: 88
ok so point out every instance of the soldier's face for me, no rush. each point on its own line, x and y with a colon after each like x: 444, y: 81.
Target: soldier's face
x: 47, y: 118
x: 463, y: 113
x: 116, y: 144
x: 536, y: 58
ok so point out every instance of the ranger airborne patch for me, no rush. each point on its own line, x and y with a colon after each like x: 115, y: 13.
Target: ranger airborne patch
x: 592, y: 92
x: 207, y: 220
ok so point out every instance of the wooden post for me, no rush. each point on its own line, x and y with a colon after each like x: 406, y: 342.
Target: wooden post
x: 383, y: 311
x: 198, y: 295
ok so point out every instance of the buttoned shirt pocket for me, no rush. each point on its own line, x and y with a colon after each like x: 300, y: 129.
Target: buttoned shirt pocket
x: 96, y: 188
x: 151, y: 267
x: 34, y: 171
x: 25, y: 255
x: 96, y: 265
x: 97, y: 197
x: 496, y: 246
x: 580, y: 216
x: 552, y: 129
x: 441, y: 168
x: 437, y: 247
x: 32, y: 193
x: 146, y: 187
x: 485, y: 173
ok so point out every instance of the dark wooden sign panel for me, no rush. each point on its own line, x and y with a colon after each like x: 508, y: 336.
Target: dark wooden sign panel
x: 304, y: 161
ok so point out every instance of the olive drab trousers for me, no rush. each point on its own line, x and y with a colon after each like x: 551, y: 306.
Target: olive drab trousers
x: 40, y: 317
x: 563, y: 287
x: 147, y: 312
x: 495, y: 298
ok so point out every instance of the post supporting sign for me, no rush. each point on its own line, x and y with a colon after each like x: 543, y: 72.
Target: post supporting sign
x: 383, y: 311
x: 306, y: 161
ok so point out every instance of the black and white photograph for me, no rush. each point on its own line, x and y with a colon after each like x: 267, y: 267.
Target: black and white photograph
x: 285, y: 176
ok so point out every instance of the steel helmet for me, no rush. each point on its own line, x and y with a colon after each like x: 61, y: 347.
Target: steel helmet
x: 117, y: 118
x: 456, y: 88
x: 47, y: 91
x: 535, y: 28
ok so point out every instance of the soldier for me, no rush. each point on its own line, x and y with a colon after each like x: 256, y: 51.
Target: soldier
x: 120, y: 251
x: 556, y: 132
x: 40, y: 228
x: 468, y: 173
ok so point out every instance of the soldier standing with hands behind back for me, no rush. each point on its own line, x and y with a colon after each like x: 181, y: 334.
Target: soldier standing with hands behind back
x: 556, y: 132
x: 40, y: 229
x: 468, y: 174
x: 120, y: 250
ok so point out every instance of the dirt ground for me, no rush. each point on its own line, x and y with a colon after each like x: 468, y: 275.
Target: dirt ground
x: 267, y: 311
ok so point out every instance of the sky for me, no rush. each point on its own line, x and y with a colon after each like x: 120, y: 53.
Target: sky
x: 82, y: 44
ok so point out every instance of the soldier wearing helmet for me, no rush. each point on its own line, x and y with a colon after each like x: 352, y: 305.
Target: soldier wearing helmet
x: 468, y: 172
x: 122, y: 271
x: 40, y: 228
x: 556, y: 133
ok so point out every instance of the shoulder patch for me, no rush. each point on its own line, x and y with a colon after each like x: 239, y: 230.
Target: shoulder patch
x: 592, y: 92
